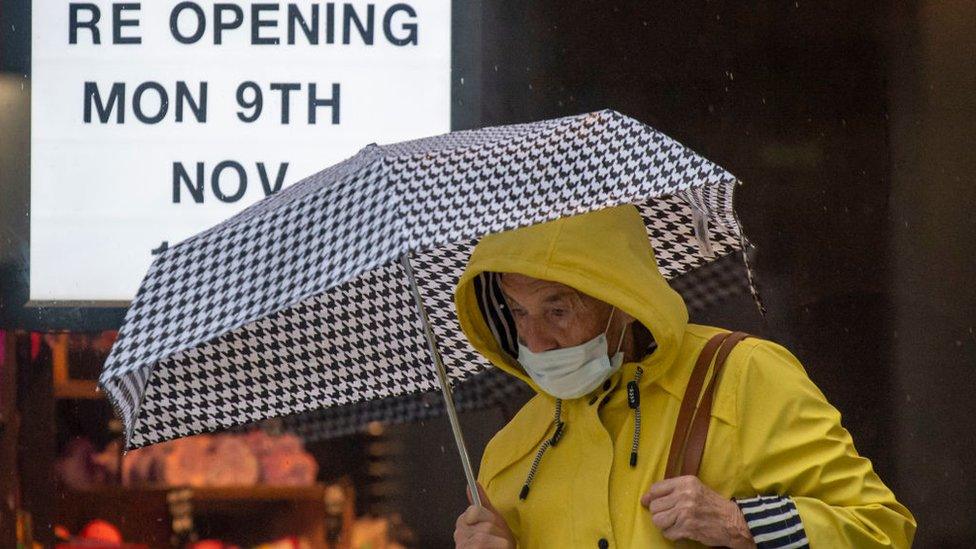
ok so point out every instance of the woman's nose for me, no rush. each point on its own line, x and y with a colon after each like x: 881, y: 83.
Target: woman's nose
x: 535, y: 335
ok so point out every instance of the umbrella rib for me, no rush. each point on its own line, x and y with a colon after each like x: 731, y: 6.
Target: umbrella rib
x: 442, y: 381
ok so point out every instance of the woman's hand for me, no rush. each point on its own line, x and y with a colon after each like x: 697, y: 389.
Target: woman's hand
x: 482, y: 527
x: 684, y: 508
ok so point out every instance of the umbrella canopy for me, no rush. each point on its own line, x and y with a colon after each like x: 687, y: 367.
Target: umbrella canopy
x: 702, y: 289
x: 303, y: 301
x: 488, y: 389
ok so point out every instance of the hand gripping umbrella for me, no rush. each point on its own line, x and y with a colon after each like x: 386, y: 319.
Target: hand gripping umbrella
x: 338, y: 289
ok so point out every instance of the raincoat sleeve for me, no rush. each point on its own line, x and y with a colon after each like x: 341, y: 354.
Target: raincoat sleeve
x: 792, y: 444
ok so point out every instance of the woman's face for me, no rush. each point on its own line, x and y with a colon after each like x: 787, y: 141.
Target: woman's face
x: 550, y: 315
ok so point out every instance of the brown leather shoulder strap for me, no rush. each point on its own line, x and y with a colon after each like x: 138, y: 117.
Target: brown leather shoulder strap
x: 699, y: 426
x: 690, y: 401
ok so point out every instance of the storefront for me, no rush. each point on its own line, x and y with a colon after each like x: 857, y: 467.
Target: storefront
x: 256, y: 487
x: 127, y: 127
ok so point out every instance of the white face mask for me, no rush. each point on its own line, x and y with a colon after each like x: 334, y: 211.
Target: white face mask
x: 573, y: 371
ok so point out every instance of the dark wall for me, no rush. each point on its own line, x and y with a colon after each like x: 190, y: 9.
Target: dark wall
x: 851, y: 124
x: 932, y: 227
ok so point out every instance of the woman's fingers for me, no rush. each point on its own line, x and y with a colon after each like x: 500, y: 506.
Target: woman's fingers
x: 662, y: 504
x: 482, y: 527
x: 484, y: 541
x: 485, y: 502
x: 476, y: 528
x: 474, y: 514
x: 665, y: 519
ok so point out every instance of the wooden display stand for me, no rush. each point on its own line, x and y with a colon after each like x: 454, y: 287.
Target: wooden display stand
x: 160, y: 516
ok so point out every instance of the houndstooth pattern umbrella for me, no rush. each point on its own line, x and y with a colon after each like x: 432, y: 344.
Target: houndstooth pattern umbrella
x: 702, y: 289
x: 489, y: 389
x: 309, y: 299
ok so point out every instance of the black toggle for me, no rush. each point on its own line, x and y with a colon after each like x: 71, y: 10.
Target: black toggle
x: 525, y: 491
x: 633, y: 459
x: 633, y: 395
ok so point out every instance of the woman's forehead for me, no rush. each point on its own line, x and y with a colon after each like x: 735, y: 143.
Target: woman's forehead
x: 515, y: 285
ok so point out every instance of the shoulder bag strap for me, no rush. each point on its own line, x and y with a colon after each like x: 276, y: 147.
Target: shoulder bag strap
x: 690, y: 401
x: 699, y: 426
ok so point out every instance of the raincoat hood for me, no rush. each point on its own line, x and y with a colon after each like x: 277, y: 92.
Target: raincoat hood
x: 605, y: 254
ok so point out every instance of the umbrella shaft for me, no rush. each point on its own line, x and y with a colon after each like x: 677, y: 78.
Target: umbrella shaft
x: 442, y: 380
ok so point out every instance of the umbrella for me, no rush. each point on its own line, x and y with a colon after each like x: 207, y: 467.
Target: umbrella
x: 339, y: 290
x: 702, y: 289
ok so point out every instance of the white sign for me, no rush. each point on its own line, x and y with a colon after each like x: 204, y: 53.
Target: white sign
x: 151, y: 121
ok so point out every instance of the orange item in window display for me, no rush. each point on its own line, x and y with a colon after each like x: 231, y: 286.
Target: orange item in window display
x: 100, y: 530
x: 290, y: 542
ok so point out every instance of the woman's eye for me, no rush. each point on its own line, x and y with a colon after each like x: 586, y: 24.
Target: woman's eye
x: 518, y: 312
x: 558, y: 313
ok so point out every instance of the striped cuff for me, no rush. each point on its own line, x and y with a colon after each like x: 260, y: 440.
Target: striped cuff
x: 773, y: 522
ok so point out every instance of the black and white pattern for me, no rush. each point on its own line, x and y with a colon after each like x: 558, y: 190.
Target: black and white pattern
x: 774, y: 522
x: 703, y: 288
x: 299, y: 303
x: 491, y: 388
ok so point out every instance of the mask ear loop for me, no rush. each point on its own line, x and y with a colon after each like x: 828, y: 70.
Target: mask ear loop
x: 620, y: 341
x: 613, y: 309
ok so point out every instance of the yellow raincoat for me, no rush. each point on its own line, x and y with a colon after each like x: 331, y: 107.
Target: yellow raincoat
x: 772, y: 432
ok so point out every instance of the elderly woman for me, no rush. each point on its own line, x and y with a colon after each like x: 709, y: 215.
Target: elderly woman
x: 577, y: 309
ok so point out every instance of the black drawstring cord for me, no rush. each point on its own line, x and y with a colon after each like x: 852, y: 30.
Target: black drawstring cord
x: 633, y: 400
x: 546, y: 444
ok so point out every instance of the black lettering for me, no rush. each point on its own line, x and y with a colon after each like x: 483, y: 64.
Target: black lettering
x: 314, y: 102
x: 199, y: 107
x: 118, y: 23
x: 279, y: 179
x: 257, y: 23
x: 195, y: 188
x: 137, y: 102
x: 257, y: 103
x: 330, y: 23
x: 241, y: 181
x: 285, y: 90
x: 411, y: 28
x: 174, y: 19
x: 365, y: 31
x: 310, y: 30
x: 74, y: 23
x: 220, y: 25
x: 116, y: 101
